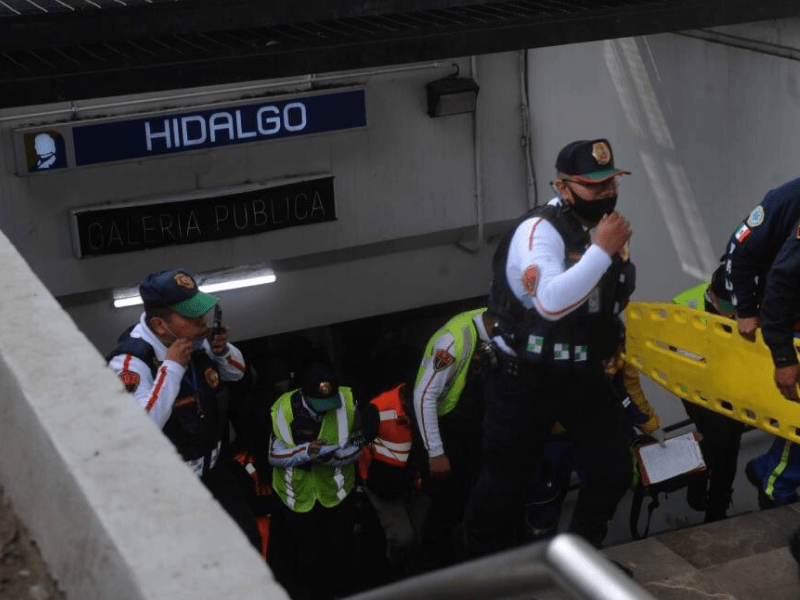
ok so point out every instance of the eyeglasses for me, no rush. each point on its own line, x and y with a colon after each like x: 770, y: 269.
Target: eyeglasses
x: 597, y: 188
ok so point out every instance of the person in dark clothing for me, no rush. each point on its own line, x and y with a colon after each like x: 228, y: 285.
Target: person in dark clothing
x: 556, y: 296
x: 762, y: 274
x: 175, y: 365
x: 711, y: 490
x: 448, y: 405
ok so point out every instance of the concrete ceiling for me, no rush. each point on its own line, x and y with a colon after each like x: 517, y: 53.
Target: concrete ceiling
x: 63, y: 50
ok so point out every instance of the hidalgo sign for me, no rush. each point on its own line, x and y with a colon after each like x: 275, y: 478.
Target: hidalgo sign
x: 127, y: 228
x: 53, y: 147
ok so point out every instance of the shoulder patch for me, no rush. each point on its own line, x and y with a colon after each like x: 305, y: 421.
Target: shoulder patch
x: 742, y: 232
x: 756, y: 217
x: 442, y: 359
x: 530, y: 279
x: 130, y: 380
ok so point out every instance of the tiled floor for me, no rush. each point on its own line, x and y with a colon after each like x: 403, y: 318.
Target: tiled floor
x: 742, y: 558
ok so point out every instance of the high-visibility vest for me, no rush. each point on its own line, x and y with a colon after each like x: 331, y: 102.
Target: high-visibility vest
x: 392, y: 445
x: 301, y: 487
x: 463, y: 330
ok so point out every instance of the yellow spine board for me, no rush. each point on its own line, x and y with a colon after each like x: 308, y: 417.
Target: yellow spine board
x: 702, y: 358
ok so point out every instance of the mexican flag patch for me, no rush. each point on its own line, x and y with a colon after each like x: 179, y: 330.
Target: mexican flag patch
x: 742, y: 232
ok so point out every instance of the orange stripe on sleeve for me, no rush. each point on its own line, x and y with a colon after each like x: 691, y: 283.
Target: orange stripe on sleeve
x: 533, y: 229
x: 236, y: 364
x: 162, y: 375
x: 564, y: 310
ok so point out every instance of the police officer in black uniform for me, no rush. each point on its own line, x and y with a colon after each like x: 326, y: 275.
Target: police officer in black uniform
x: 175, y: 365
x: 762, y: 273
x: 557, y: 295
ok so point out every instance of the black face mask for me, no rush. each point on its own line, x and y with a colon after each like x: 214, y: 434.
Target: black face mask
x: 592, y: 211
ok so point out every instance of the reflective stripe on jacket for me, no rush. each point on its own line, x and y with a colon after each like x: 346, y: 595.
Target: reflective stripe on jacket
x: 392, y: 445
x: 301, y: 487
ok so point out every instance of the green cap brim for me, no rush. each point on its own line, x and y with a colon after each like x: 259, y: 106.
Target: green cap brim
x: 196, y: 306
x: 599, y: 176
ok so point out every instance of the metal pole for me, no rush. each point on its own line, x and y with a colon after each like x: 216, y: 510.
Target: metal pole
x: 588, y: 575
x: 567, y: 561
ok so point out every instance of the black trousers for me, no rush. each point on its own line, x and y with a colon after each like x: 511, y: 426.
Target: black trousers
x: 461, y: 435
x: 522, y: 405
x: 311, y: 553
x: 720, y: 445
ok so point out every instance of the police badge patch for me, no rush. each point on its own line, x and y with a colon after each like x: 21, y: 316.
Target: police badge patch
x: 183, y: 280
x: 756, y: 217
x: 442, y: 359
x: 212, y: 377
x: 601, y: 153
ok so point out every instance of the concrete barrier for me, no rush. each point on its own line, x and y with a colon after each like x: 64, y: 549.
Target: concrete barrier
x: 115, y: 512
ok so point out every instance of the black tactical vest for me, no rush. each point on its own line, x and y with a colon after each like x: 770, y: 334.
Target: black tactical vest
x: 581, y: 338
x: 198, y: 420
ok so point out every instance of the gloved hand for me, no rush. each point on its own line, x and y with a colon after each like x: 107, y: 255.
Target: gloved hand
x: 658, y: 435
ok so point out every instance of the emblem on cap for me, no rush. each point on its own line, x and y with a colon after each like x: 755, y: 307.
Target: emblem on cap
x: 183, y: 280
x: 601, y: 153
x: 325, y: 388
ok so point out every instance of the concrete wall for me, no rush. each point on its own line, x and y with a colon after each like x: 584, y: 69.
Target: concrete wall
x: 405, y: 183
x: 111, y: 505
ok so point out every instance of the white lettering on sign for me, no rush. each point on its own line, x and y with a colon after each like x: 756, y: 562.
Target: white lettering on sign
x: 144, y: 231
x: 275, y: 211
x: 223, y: 126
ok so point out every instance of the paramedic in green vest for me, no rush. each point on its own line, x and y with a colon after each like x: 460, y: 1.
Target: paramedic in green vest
x: 448, y: 405
x: 316, y: 441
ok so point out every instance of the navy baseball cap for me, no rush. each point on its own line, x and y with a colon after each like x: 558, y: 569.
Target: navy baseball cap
x: 588, y: 161
x: 176, y: 290
x: 320, y: 387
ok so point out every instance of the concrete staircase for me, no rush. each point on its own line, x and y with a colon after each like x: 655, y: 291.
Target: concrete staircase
x: 745, y: 557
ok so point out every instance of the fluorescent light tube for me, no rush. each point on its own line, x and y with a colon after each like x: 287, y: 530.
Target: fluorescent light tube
x: 237, y: 283
x: 231, y: 284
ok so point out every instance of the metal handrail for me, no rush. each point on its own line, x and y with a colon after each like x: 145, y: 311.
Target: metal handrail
x: 567, y: 562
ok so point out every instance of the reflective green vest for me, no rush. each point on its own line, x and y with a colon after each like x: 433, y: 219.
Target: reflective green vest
x: 463, y: 330
x: 694, y: 297
x: 299, y: 488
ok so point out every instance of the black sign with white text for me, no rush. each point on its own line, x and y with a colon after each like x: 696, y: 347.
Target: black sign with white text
x: 99, y: 232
